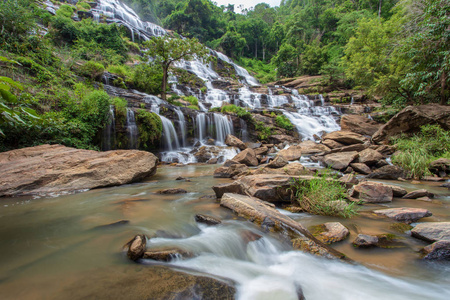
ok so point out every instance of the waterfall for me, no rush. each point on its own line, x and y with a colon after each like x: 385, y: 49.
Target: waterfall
x: 276, y: 100
x: 248, y: 98
x: 244, y: 132
x: 240, y: 71
x: 182, y: 125
x: 132, y: 130
x: 109, y: 132
x: 200, y: 126
x: 224, y: 127
x: 216, y: 96
x: 169, y: 135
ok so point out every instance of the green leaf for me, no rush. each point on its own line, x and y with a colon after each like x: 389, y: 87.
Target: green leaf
x: 7, y: 96
x: 31, y: 113
x: 4, y: 59
x: 11, y: 82
x: 4, y: 87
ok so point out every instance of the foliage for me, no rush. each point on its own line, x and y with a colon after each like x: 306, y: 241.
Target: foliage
x: 283, y: 122
x: 120, y: 105
x: 191, y: 99
x: 264, y: 131
x: 147, y: 78
x: 166, y: 50
x: 239, y: 111
x: 150, y: 129
x: 91, y: 69
x: 416, y: 152
x: 322, y: 196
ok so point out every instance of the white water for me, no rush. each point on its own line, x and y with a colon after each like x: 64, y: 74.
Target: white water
x: 109, y: 132
x: 132, y: 130
x: 182, y: 126
x: 169, y: 135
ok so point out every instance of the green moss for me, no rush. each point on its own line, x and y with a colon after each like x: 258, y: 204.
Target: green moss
x: 283, y: 122
x: 150, y: 129
x: 401, y: 227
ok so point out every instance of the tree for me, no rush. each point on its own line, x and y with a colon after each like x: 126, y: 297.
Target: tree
x: 166, y: 50
x: 286, y: 61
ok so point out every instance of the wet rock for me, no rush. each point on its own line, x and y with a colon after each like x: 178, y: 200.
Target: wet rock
x: 208, y: 220
x: 371, y: 192
x: 361, y: 168
x: 331, y: 232
x: 249, y: 236
x: 229, y: 163
x: 253, y: 145
x: 349, y: 148
x: 365, y: 241
x: 233, y: 141
x: 426, y: 199
x: 440, y: 165
x: 345, y: 137
x: 418, y: 194
x: 278, y: 162
x: 267, y: 187
x: 381, y: 163
x: 339, y: 161
x: 211, y: 142
x: 277, y: 139
x: 397, y: 191
x: 359, y: 124
x: 113, y: 225
x: 203, y: 154
x: 166, y: 254
x: 234, y: 187
x: 295, y: 169
x: 404, y: 214
x: 260, y: 213
x: 180, y: 178
x: 445, y: 185
x: 49, y: 169
x: 310, y: 147
x: 172, y: 191
x: 439, y: 250
x: 349, y: 180
x: 246, y: 157
x: 212, y: 161
x: 261, y: 150
x: 385, y: 149
x: 233, y: 170
x: 410, y: 119
x: 332, y: 144
x: 387, y: 172
x: 369, y: 157
x: 349, y: 170
x: 136, y: 247
x: 292, y: 153
x: 433, y: 178
x: 432, y: 231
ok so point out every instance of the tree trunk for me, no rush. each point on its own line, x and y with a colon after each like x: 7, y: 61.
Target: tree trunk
x: 164, y: 82
x: 443, y: 86
x: 256, y: 48
x: 379, y: 9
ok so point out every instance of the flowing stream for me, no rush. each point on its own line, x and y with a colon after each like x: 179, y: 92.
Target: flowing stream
x: 53, y: 248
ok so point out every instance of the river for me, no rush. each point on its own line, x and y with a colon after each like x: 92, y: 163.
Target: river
x: 52, y: 247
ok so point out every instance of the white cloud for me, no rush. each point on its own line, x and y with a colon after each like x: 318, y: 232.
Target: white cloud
x: 247, y: 3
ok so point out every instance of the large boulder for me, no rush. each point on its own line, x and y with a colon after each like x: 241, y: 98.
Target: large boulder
x: 246, y: 157
x: 440, y: 165
x: 332, y: 144
x: 418, y: 194
x: 310, y: 147
x: 49, y: 169
x: 437, y: 251
x: 281, y: 138
x: 410, y: 119
x: 359, y: 124
x: 231, y: 171
x: 372, y: 192
x: 136, y: 247
x: 369, y: 157
x: 388, y: 172
x: 233, y: 141
x: 234, y: 187
x: 361, y: 168
x: 331, y: 232
x: 404, y: 214
x: 278, y: 162
x: 341, y: 160
x: 267, y: 187
x: 291, y: 153
x: 269, y: 217
x: 365, y: 241
x: 345, y: 137
x: 432, y: 231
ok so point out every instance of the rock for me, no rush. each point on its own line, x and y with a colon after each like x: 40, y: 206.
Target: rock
x: 180, y: 178
x: 253, y: 145
x: 432, y: 231
x: 212, y: 161
x: 249, y: 236
x: 267, y: 187
x: 440, y: 165
x: 369, y: 157
x: 397, y: 191
x: 349, y: 170
x: 136, y: 247
x: 445, y: 185
x: 385, y: 149
x: 310, y: 147
x: 208, y: 220
x: 113, y: 225
x: 361, y: 168
x: 410, y: 119
x: 278, y: 162
x: 291, y: 153
x: 233, y: 141
x: 349, y: 180
x: 166, y: 254
x: 371, y: 192
x: 295, y: 169
x: 260, y: 213
x: 85, y: 14
x: 433, y: 178
x: 339, y: 161
x: 332, y: 232
x: 233, y: 170
x: 439, y: 250
x: 234, y: 187
x: 426, y: 199
x: 404, y: 214
x: 172, y: 191
x: 349, y: 148
x: 229, y: 163
x: 332, y: 144
x: 247, y: 157
x: 203, y: 154
x: 359, y: 124
x: 381, y: 163
x: 345, y: 137
x: 418, y: 194
x: 277, y: 139
x: 261, y: 150
x: 49, y: 169
x: 387, y: 172
x: 365, y: 241
x: 211, y: 142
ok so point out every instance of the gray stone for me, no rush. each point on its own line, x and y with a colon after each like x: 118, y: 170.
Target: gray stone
x: 247, y: 157
x: 339, y: 161
x: 372, y: 192
x: 404, y: 214
x: 418, y: 194
x: 439, y: 250
x: 278, y: 162
x: 292, y: 153
x: 361, y: 168
x: 432, y: 231
x: 365, y: 241
x: 345, y: 137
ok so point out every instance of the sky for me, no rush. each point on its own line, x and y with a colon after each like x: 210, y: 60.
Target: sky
x: 247, y: 3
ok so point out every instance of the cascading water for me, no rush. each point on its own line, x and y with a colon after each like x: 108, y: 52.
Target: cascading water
x: 182, y: 126
x: 244, y: 131
x: 169, y: 135
x: 224, y: 127
x: 132, y: 130
x: 109, y: 132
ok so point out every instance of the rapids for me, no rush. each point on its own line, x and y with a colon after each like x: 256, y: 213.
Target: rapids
x: 52, y: 247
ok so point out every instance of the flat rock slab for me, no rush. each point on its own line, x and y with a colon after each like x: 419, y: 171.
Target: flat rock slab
x: 372, y: 192
x: 432, y: 231
x: 418, y: 194
x: 267, y: 216
x: 341, y: 160
x: 404, y: 214
x: 292, y: 153
x: 345, y: 137
x: 49, y: 169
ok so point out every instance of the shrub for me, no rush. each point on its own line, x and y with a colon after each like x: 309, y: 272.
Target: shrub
x: 316, y: 196
x: 239, y: 111
x: 91, y: 69
x: 119, y: 70
x: 264, y: 132
x: 191, y: 99
x: 120, y: 105
x: 283, y: 122
x: 147, y: 78
x: 150, y: 129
